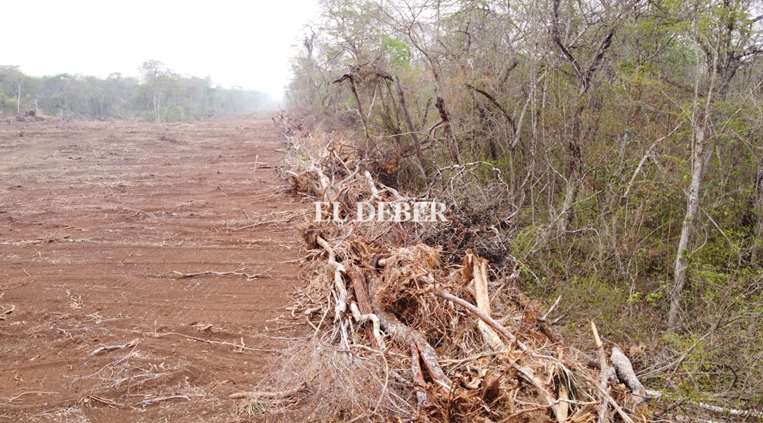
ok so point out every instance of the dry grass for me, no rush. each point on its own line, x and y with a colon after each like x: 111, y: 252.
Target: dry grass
x: 339, y: 385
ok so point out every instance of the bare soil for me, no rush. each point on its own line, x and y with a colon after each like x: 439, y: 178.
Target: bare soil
x: 95, y: 219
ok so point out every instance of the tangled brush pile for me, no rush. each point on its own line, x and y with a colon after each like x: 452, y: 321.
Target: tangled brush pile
x: 401, y: 332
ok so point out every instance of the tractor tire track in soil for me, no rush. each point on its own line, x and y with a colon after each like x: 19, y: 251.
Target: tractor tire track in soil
x: 95, y: 219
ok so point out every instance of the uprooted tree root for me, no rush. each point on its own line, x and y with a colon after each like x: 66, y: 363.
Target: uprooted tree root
x: 400, y: 332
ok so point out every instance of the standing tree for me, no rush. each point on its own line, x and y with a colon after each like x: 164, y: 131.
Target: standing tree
x: 728, y: 35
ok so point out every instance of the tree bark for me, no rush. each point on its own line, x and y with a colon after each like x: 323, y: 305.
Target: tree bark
x: 418, y: 378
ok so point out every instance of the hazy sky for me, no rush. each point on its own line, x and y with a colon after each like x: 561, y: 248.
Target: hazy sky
x: 236, y: 42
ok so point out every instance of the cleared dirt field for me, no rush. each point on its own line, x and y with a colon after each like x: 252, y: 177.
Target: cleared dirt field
x: 95, y: 221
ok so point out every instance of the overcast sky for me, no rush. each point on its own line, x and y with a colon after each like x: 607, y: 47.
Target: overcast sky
x: 236, y: 42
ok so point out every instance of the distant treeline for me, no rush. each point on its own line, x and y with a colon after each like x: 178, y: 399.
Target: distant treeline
x: 159, y: 94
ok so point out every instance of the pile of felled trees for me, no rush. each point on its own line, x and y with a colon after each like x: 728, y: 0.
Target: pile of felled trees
x: 456, y: 343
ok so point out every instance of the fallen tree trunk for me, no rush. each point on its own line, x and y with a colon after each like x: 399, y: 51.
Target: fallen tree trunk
x: 482, y: 296
x: 418, y: 378
x: 406, y: 336
x: 365, y: 312
x: 626, y: 374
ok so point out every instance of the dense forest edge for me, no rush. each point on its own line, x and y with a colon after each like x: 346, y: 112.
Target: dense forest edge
x: 158, y: 94
x: 614, y: 153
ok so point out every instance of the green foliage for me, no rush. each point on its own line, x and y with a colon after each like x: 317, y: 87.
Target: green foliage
x: 398, y: 53
x: 517, y: 102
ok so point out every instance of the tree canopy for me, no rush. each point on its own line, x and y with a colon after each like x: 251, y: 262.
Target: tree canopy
x: 158, y: 94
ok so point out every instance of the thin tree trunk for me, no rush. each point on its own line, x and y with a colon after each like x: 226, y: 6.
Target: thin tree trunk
x: 353, y: 87
x: 360, y: 110
x: 411, y: 128
x: 157, y: 107
x: 757, y: 248
x: 574, y: 164
x: 570, y: 193
x: 455, y: 155
x: 700, y: 155
x: 498, y: 105
x: 18, y: 97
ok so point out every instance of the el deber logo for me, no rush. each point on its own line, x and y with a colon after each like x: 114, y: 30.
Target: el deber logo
x: 399, y: 211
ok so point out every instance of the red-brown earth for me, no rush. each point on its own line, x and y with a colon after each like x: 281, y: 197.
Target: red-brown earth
x: 96, y: 218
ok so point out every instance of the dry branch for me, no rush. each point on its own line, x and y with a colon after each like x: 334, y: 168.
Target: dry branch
x: 4, y: 313
x: 248, y: 276
x: 369, y: 317
x: 487, y: 319
x: 603, y: 375
x: 411, y: 128
x: 240, y: 347
x: 109, y: 348
x: 341, y: 291
x: 102, y: 400
x: 254, y: 395
x: 152, y: 401
x: 15, y: 397
x: 730, y: 411
x: 530, y: 377
x: 626, y: 418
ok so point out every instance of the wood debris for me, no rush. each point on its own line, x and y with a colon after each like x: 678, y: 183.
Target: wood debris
x: 7, y: 311
x: 462, y: 352
x: 239, y: 272
x: 109, y: 348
